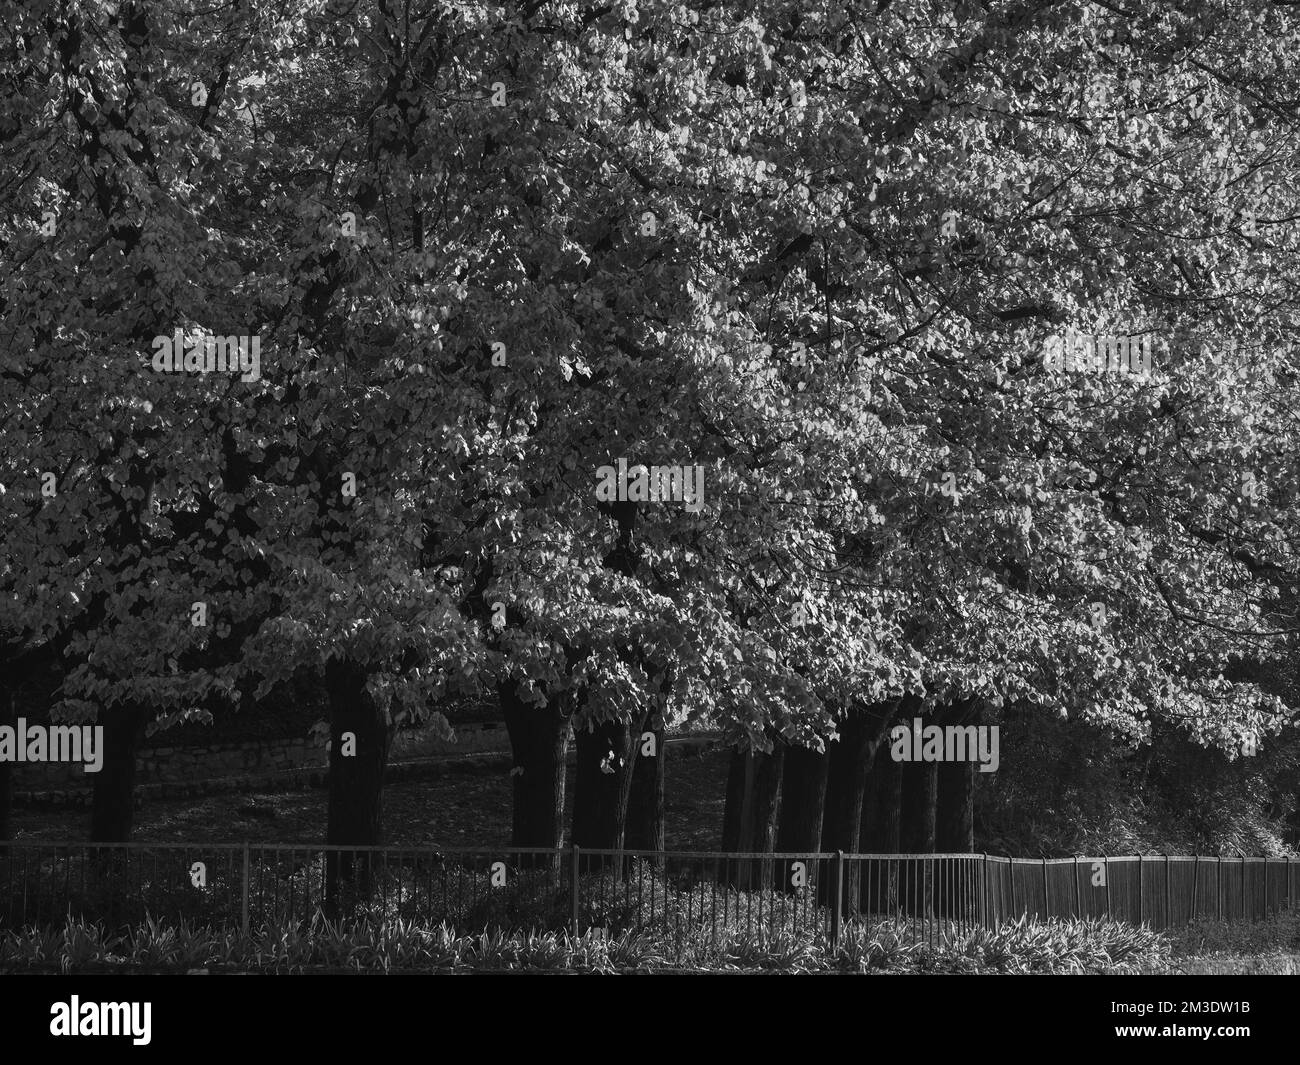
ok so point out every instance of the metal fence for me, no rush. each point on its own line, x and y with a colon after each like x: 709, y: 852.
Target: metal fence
x: 675, y: 893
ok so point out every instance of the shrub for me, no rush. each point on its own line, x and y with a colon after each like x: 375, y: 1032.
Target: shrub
x: 1024, y: 946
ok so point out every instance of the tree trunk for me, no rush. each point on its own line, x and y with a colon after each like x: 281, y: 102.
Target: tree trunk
x: 846, y: 783
x: 644, y: 831
x: 803, y: 805
x: 920, y: 794
x: 764, y: 812
x: 955, y: 833
x: 955, y: 822
x: 881, y: 827
x: 112, y: 812
x: 28, y: 680
x: 645, y: 809
x: 598, y: 821
x: 955, y: 817
x: 8, y: 717
x: 737, y: 819
x: 359, y: 744
x: 606, y: 753
x: 882, y: 808
x: 740, y: 785
x: 851, y: 758
x: 539, y: 742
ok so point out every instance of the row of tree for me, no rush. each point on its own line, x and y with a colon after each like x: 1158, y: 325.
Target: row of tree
x: 489, y: 249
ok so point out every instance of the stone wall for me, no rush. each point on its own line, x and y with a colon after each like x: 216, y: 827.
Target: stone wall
x: 482, y: 738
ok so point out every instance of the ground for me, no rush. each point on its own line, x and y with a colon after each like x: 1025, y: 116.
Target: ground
x: 465, y: 806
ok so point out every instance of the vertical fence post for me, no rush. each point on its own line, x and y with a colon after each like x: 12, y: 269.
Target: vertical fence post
x: 1106, y: 876
x: 573, y: 888
x: 839, y: 899
x: 244, y: 908
x: 1196, y: 883
x: 1169, y: 897
x: 984, y: 891
x: 1047, y: 901
x: 1078, y: 891
x: 1139, y: 889
x: 1011, y: 868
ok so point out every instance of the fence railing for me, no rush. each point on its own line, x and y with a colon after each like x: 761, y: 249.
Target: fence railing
x: 247, y: 885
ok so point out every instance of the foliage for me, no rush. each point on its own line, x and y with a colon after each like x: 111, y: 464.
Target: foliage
x: 1072, y: 791
x: 864, y: 229
x: 396, y: 945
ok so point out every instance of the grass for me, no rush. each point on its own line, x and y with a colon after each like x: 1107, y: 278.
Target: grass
x: 1279, y: 934
x: 1267, y: 947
